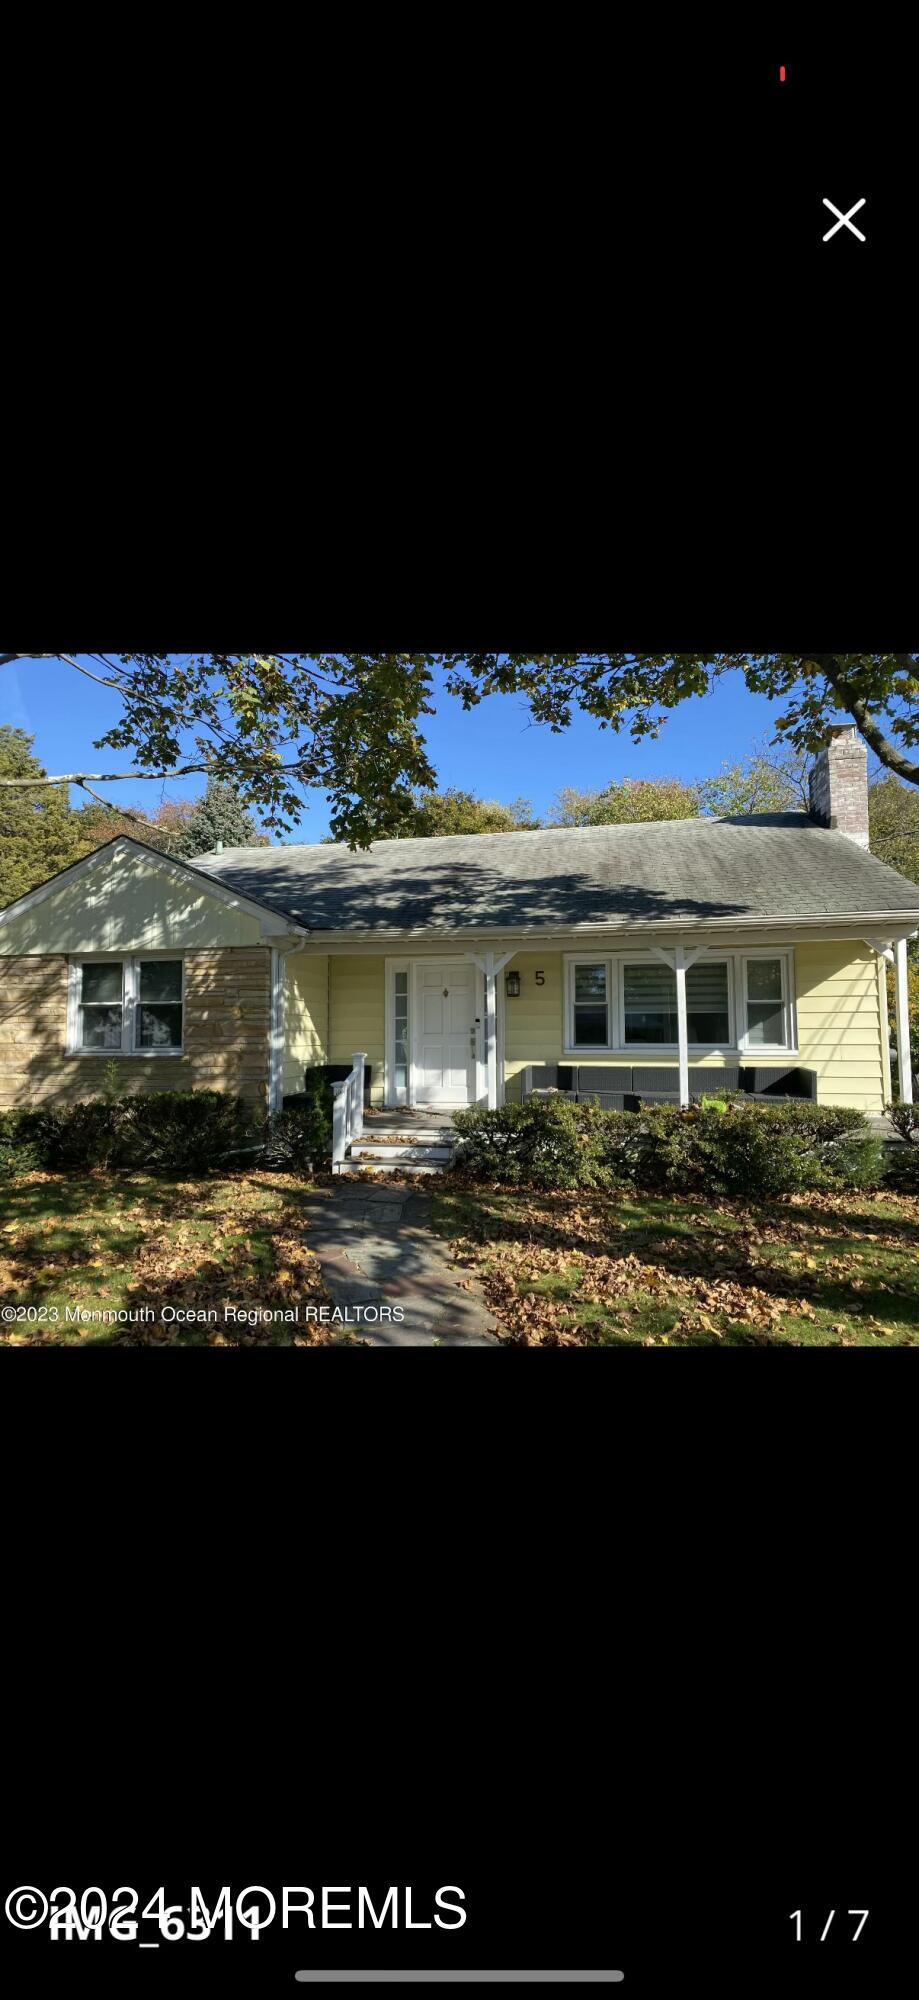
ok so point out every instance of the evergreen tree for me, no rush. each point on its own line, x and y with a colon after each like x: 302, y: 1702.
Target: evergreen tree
x: 219, y: 816
x: 39, y: 831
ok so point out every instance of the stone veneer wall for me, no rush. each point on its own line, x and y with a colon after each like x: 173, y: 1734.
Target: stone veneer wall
x: 226, y: 1032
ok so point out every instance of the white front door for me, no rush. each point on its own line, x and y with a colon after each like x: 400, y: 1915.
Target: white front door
x: 445, y: 1032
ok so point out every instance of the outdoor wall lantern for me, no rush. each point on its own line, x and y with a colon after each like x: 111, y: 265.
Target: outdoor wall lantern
x: 512, y: 985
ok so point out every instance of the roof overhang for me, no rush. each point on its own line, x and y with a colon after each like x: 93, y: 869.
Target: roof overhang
x: 274, y: 923
x: 893, y: 925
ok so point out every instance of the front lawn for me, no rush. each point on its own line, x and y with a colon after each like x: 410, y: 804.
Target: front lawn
x: 623, y: 1270
x: 132, y: 1242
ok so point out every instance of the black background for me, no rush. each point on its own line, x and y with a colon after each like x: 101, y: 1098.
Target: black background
x: 545, y: 352
x: 627, y: 1661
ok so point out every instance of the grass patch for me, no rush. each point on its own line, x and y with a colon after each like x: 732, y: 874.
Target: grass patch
x: 608, y: 1270
x: 111, y: 1242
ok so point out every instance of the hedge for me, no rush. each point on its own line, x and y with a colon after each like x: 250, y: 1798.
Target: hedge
x: 167, y: 1131
x: 727, y: 1147
x: 170, y: 1131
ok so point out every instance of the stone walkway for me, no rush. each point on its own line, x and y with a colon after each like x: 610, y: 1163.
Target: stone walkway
x: 376, y: 1250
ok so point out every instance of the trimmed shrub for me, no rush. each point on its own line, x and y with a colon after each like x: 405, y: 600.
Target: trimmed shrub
x: 75, y: 1135
x: 179, y: 1131
x: 748, y: 1149
x: 300, y: 1136
x: 905, y: 1117
x: 167, y: 1131
x: 544, y: 1142
x: 901, y: 1170
x: 729, y: 1148
x: 18, y: 1153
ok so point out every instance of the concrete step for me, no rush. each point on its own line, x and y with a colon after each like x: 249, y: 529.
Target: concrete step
x: 361, y: 1149
x: 387, y: 1167
x: 410, y: 1135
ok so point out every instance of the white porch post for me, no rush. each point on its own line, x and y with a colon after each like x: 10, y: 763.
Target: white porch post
x: 357, y: 1123
x: 491, y: 964
x: 679, y: 967
x: 903, y: 1061
x: 279, y: 956
x: 678, y: 962
x: 491, y: 1031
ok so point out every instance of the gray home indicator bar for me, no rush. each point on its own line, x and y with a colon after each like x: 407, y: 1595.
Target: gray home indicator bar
x: 312, y: 1978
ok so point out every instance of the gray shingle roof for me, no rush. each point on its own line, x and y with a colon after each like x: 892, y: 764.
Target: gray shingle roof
x: 778, y: 865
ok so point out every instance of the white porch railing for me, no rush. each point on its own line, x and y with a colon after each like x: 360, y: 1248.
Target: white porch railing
x: 347, y: 1110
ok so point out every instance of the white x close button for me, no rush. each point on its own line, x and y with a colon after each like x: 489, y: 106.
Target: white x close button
x: 845, y: 221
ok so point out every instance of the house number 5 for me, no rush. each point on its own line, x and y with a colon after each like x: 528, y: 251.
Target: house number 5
x: 861, y: 1914
x: 540, y: 979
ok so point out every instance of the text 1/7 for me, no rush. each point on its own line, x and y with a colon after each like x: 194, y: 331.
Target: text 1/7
x: 862, y: 1915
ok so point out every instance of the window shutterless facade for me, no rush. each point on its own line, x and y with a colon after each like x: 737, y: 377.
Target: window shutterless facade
x: 126, y: 1006
x: 734, y: 1001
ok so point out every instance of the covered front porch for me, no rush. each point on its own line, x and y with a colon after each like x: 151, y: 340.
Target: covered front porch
x: 446, y: 1025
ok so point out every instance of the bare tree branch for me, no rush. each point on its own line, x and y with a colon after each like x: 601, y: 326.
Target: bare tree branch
x: 108, y: 777
x: 116, y: 777
x: 123, y: 812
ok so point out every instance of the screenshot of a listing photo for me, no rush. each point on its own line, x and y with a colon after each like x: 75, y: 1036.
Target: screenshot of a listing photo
x: 319, y: 1032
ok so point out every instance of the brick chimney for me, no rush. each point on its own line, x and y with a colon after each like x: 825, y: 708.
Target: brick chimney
x: 839, y: 785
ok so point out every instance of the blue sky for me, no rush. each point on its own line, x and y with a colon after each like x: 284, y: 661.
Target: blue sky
x: 494, y: 750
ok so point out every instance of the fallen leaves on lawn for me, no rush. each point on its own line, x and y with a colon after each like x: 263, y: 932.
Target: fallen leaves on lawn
x: 545, y: 1260
x: 240, y: 1241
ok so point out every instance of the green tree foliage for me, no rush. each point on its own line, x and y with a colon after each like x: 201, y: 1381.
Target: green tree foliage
x: 350, y: 724
x: 893, y: 825
x: 765, y: 781
x: 220, y: 815
x: 454, y: 811
x: 625, y: 800
x: 39, y: 833
x: 879, y: 692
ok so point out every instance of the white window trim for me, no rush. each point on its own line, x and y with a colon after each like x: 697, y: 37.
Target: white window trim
x: 789, y: 1010
x: 738, y: 1045
x: 129, y: 961
x: 390, y: 1096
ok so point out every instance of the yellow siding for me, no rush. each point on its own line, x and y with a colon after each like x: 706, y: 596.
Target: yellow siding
x: 306, y: 1014
x: 126, y: 903
x: 357, y: 1013
x: 839, y: 1023
x: 884, y: 1020
x: 533, y: 1023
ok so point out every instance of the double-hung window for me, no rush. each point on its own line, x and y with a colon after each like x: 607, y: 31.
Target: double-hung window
x: 767, y: 1022
x: 126, y: 1006
x: 100, y: 1019
x: 591, y: 1006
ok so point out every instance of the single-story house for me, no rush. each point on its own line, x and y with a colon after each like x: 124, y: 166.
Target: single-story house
x: 450, y: 965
